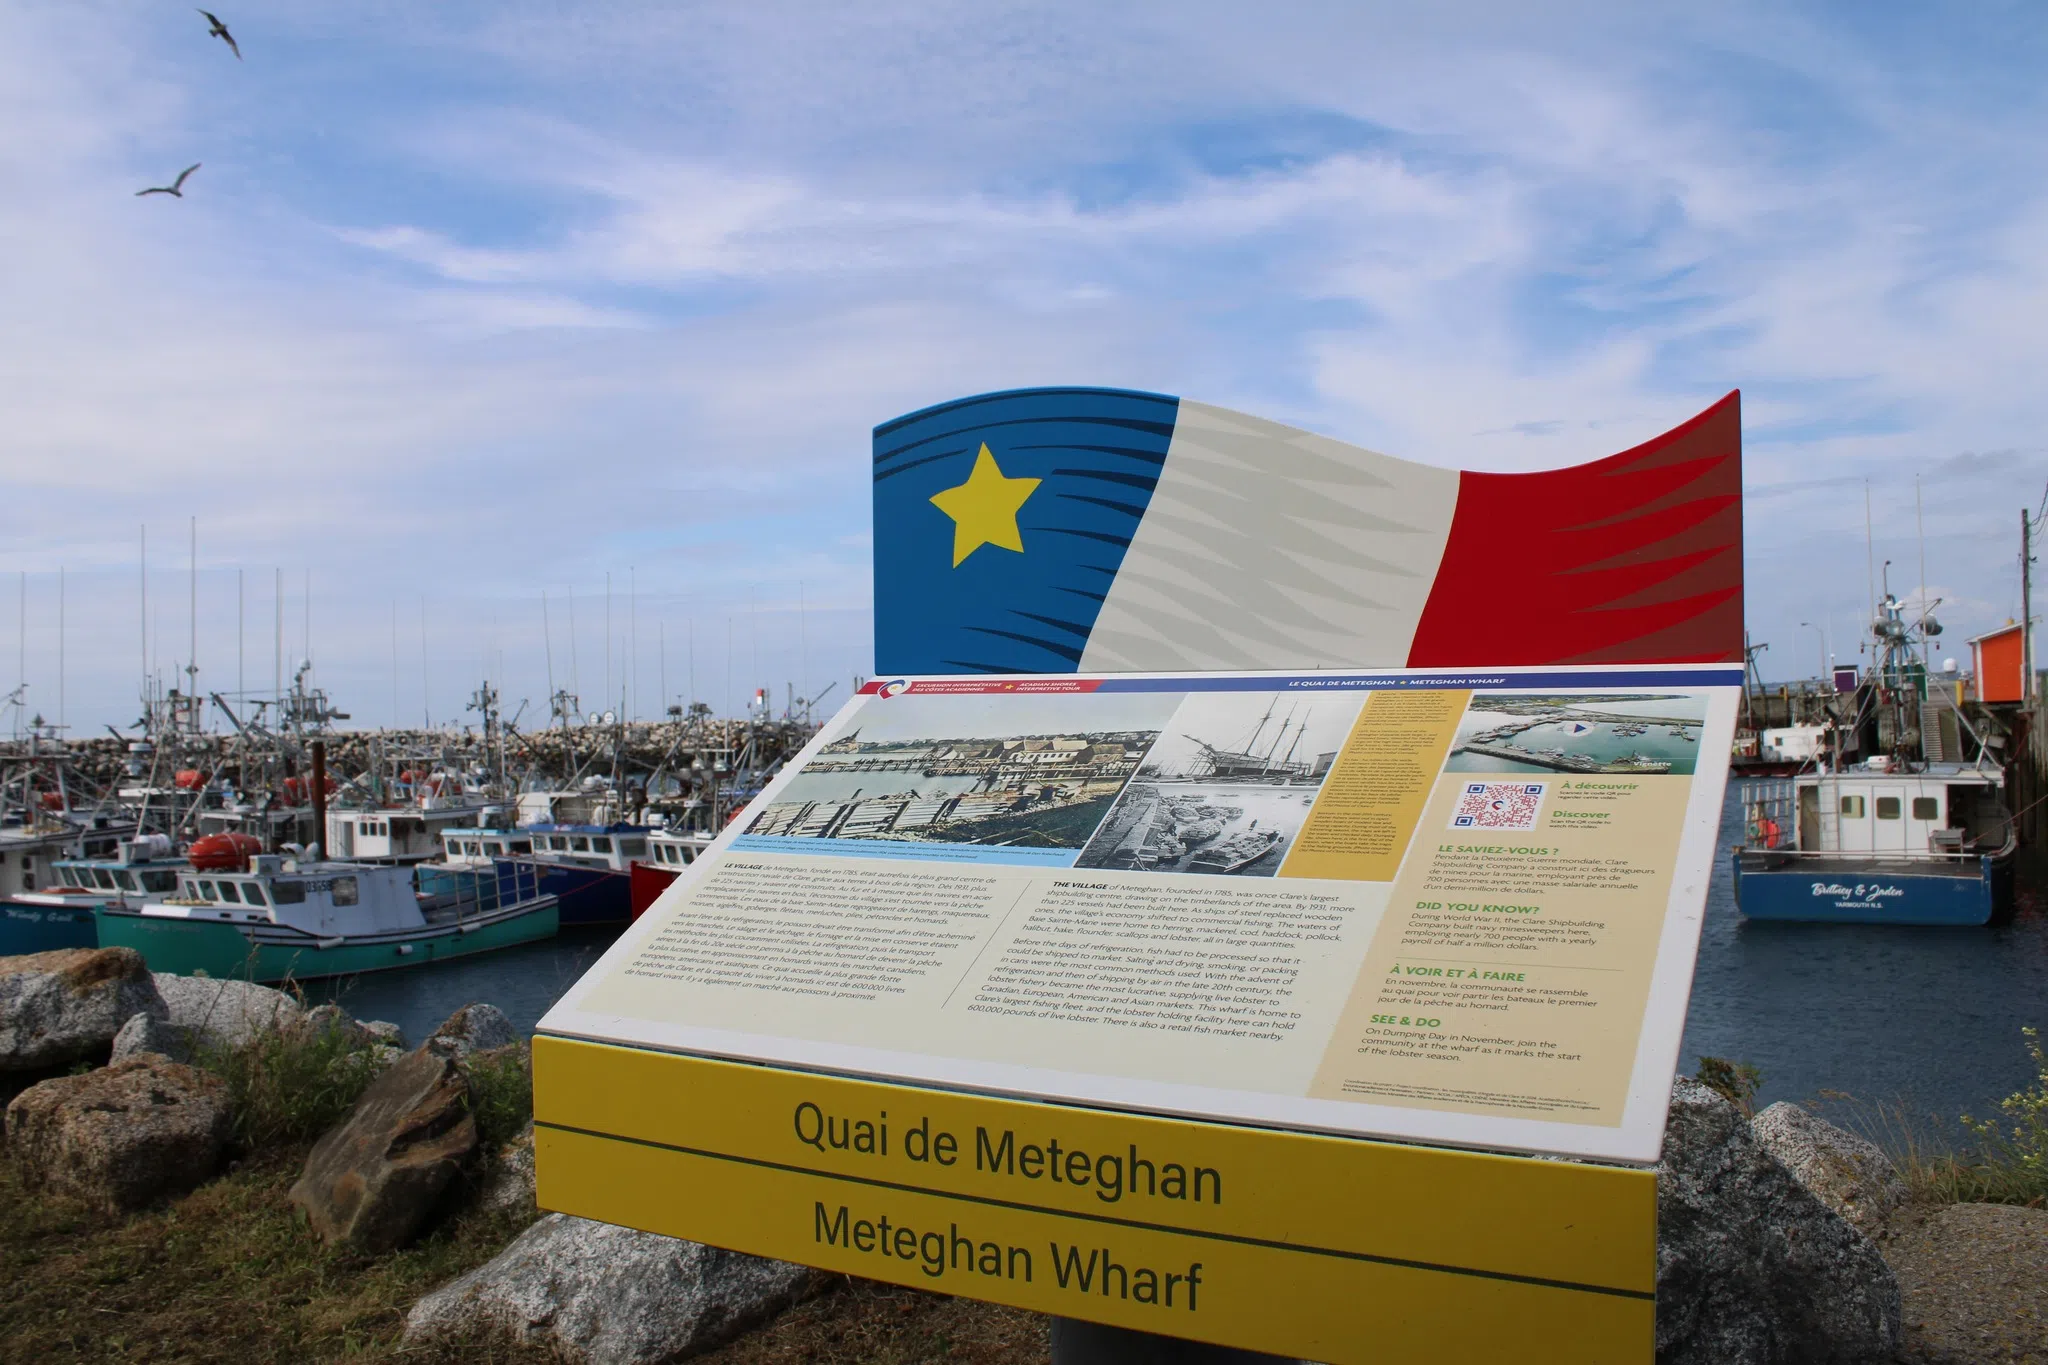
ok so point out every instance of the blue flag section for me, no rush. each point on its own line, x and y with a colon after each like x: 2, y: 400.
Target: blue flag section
x: 1001, y: 520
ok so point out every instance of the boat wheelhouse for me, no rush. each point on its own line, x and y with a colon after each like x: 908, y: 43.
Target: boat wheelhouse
x: 282, y: 918
x: 474, y: 847
x: 398, y: 834
x: 588, y: 867
x: 1875, y: 845
x: 669, y: 851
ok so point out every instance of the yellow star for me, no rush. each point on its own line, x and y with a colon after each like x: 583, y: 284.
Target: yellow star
x: 984, y: 509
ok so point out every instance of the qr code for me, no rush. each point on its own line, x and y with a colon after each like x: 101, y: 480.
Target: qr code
x: 1498, y: 805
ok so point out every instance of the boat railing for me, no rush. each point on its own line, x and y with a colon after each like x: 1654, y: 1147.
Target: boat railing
x: 467, y: 892
x: 1966, y: 852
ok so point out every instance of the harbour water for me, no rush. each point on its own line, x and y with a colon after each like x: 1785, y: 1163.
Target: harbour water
x: 1927, y: 1020
x: 1924, y: 1019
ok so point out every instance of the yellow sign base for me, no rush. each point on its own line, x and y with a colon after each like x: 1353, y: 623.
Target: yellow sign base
x: 1330, y: 1249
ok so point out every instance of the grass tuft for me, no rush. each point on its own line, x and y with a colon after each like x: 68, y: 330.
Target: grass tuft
x: 500, y: 1094
x: 289, y: 1085
x: 1736, y: 1082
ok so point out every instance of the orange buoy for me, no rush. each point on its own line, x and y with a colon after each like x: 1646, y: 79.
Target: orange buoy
x: 223, y: 852
x: 190, y: 779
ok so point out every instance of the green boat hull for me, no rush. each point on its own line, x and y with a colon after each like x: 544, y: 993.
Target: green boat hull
x: 195, y: 947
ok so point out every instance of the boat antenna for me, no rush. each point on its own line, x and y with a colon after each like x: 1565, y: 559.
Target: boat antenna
x: 547, y: 638
x: 60, y: 647
x: 1869, y: 548
x: 142, y: 577
x: 1920, y: 530
x: 426, y: 706
x: 396, y: 719
x: 192, y: 657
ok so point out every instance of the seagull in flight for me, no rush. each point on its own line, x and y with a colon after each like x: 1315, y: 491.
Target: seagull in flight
x: 216, y: 29
x: 176, y: 187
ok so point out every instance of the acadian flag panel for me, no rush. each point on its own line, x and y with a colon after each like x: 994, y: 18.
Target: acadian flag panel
x: 1104, y: 530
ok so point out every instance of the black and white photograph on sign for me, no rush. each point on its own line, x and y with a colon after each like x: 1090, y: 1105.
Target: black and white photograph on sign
x: 1641, y: 734
x: 1023, y: 772
x: 1227, y: 786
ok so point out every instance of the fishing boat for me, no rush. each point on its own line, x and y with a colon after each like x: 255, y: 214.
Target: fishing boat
x: 669, y: 851
x: 1236, y: 853
x: 280, y: 918
x: 60, y: 915
x: 1898, y: 838
x: 39, y: 912
x: 1869, y: 846
x: 588, y: 868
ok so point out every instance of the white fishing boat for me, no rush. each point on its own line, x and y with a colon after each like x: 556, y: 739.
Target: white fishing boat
x: 283, y: 918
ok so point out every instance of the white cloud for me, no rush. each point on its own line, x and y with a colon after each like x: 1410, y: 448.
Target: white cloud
x: 466, y: 302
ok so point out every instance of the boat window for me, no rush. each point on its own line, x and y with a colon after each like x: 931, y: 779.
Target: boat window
x: 599, y: 844
x: 208, y: 892
x: 129, y: 883
x: 521, y: 846
x: 105, y: 878
x: 230, y: 893
x: 288, y: 893
x: 1852, y: 808
x: 344, y: 890
x: 253, y: 893
x: 159, y: 881
x: 1926, y: 808
x: 579, y: 844
x: 66, y: 877
x: 1887, y: 807
x: 633, y: 848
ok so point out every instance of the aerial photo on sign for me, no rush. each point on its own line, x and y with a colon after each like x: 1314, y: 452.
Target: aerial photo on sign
x: 1648, y: 734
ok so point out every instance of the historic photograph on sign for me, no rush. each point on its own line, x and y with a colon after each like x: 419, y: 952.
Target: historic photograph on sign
x: 1641, y: 734
x: 1013, y: 771
x: 1227, y: 786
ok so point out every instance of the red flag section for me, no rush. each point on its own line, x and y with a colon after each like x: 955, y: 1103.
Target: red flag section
x: 1636, y: 558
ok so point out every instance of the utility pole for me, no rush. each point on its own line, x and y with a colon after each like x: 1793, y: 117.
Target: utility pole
x: 2027, y: 603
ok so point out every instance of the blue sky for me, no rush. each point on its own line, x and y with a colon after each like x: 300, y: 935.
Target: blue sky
x: 472, y: 302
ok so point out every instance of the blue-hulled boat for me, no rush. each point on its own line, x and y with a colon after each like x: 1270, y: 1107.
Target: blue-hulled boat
x: 1872, y: 845
x: 61, y: 914
x: 31, y: 852
x: 587, y: 868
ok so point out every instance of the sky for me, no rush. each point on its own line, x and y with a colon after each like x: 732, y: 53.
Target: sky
x: 472, y: 303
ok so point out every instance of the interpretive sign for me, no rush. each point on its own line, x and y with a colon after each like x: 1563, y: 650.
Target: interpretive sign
x: 1214, y: 1001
